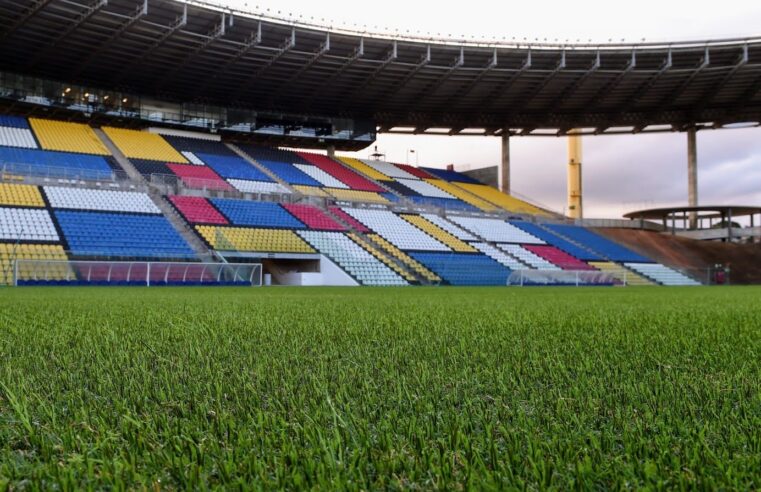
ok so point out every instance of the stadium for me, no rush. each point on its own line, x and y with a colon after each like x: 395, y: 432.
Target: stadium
x: 166, y: 164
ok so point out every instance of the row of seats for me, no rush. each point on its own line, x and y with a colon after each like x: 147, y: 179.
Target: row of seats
x: 403, y: 257
x: 389, y: 170
x: 194, y: 146
x: 367, y: 246
x: 10, y: 252
x: 622, y: 274
x: 198, y: 177
x: 345, y: 175
x: 15, y: 132
x: 525, y: 256
x: 557, y: 241
x: 363, y: 168
x: 500, y: 256
x: 290, y: 173
x: 443, y: 203
x: 357, y: 196
x: 35, y: 162
x: 257, y: 187
x: 197, y: 210
x: 67, y: 137
x: 661, y: 274
x: 603, y: 246
x: 256, y: 214
x: 135, y: 144
x: 20, y: 195
x: 464, y: 269
x: 234, y: 167
x: 313, y: 217
x: 495, y: 230
x: 350, y: 256
x: 450, y: 227
x: 253, y: 239
x: 441, y: 235
x: 558, y: 258
x: 27, y: 224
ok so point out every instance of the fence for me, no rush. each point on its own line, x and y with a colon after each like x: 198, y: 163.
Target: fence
x: 138, y: 273
x: 577, y: 278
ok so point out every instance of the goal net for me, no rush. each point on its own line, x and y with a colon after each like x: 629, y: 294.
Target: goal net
x: 576, y: 278
x: 146, y: 273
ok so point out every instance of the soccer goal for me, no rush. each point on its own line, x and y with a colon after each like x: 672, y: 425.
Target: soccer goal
x: 577, y: 278
x: 145, y: 273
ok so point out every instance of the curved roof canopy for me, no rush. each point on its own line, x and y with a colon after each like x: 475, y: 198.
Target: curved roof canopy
x: 191, y: 52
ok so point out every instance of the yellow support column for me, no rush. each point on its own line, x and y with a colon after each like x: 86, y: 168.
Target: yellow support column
x: 575, y: 202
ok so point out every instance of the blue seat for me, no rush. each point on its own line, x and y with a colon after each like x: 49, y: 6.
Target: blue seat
x: 450, y: 175
x: 55, y: 164
x: 289, y: 173
x: 464, y: 269
x: 446, y: 203
x: 259, y: 214
x: 13, y: 121
x: 233, y: 167
x: 198, y: 145
x: 557, y: 241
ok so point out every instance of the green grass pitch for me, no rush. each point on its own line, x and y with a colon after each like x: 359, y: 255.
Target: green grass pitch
x: 410, y: 388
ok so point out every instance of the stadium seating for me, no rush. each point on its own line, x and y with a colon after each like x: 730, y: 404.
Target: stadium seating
x: 147, y: 167
x: 348, y: 219
x: 350, y: 256
x: 558, y: 257
x: 424, y: 188
x: 439, y: 233
x: 500, y: 256
x: 507, y: 202
x: 313, y: 217
x: 451, y: 228
x: 26, y: 224
x: 323, y: 178
x: 363, y: 168
x: 527, y: 257
x: 397, y: 231
x: 136, y: 144
x: 289, y: 173
x: 121, y: 235
x: 464, y: 269
x: 356, y: 196
x: 370, y: 248
x: 199, y: 177
x: 311, y: 191
x: 603, y: 246
x: 253, y: 239
x: 195, y: 146
x: 345, y: 175
x: 67, y: 137
x: 495, y: 230
x: 234, y: 167
x: 256, y: 187
x: 258, y: 214
x: 389, y: 170
x: 102, y: 200
x: 661, y: 273
x: 462, y: 195
x: 452, y: 176
x: 55, y: 164
x: 10, y: 252
x: 15, y: 132
x: 620, y: 273
x: 443, y: 203
x: 197, y: 210
x: 403, y: 257
x: 415, y: 171
x: 20, y: 195
x: 557, y: 241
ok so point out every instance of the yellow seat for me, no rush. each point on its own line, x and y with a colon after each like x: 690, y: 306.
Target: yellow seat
x: 507, y: 202
x: 67, y: 137
x: 363, y: 168
x: 20, y: 195
x: 621, y: 273
x: 463, y: 195
x: 404, y: 258
x: 385, y: 259
x: 356, y: 195
x: 136, y: 144
x: 253, y: 240
x: 439, y: 233
x: 310, y: 191
x: 9, y: 252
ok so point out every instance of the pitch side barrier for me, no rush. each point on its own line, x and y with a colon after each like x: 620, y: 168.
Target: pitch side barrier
x: 135, y: 273
x: 575, y: 278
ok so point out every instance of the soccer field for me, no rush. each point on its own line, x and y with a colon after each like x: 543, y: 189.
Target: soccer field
x: 410, y: 388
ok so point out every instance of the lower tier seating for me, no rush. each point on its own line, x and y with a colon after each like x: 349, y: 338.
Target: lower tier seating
x: 396, y: 230
x: 464, y: 269
x: 253, y: 240
x: 263, y: 187
x: 465, y: 196
x: 559, y: 258
x: 199, y: 177
x: 620, y: 273
x: 103, y: 200
x: 400, y: 255
x: 495, y: 230
x: 33, y: 162
x: 661, y: 274
x: 357, y: 262
x: 439, y: 234
x: 527, y: 257
x: 373, y: 250
x: 450, y: 227
x: 356, y: 195
x: 500, y: 256
x: 313, y: 217
x: 121, y: 235
x: 603, y: 246
x: 27, y: 224
x: 562, y: 244
x: 10, y: 252
x: 258, y: 214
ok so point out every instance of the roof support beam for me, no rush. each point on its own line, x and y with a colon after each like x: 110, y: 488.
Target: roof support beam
x: 217, y: 32
x: 139, y: 12
x: 26, y: 16
x: 574, y: 86
x: 358, y: 53
x: 321, y: 50
x: 712, y: 92
x: 525, y: 101
x: 430, y: 89
x: 468, y: 88
x: 674, y: 94
x: 91, y: 10
x: 178, y: 24
x: 288, y: 44
x: 594, y: 101
x: 391, y: 56
x: 650, y: 82
x: 425, y: 59
x: 505, y: 86
x: 254, y: 39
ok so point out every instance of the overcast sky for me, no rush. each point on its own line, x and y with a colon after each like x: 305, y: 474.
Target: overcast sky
x: 620, y: 172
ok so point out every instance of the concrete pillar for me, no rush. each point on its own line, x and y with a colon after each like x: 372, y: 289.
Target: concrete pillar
x: 503, y: 176
x: 575, y: 199
x: 692, y: 174
x: 331, y: 151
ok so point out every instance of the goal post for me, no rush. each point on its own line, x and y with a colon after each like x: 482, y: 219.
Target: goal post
x: 138, y: 273
x: 576, y: 278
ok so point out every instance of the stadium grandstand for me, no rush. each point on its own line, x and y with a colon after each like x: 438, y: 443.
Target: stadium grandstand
x: 184, y: 134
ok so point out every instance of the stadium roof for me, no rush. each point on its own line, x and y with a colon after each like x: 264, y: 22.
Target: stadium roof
x: 194, y: 52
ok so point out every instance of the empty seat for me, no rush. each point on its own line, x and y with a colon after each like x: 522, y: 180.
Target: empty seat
x: 261, y: 214
x: 347, y: 176
x: 348, y: 219
x: 400, y: 255
x: 27, y: 224
x: 199, y: 177
x: 558, y: 258
x: 320, y: 176
x: 313, y: 217
x: 15, y: 132
x: 507, y: 202
x: 547, y: 236
x: 525, y: 256
x: 495, y: 230
x: 363, y: 168
x: 661, y: 274
x: 465, y: 196
x: 397, y: 231
x: 451, y: 228
x: 289, y: 173
x: 234, y: 167
x: 265, y: 187
x: 500, y: 256
x: 601, y: 245
x: 464, y: 269
x: 438, y: 233
x: 55, y: 164
x: 104, y: 200
x: 10, y: 252
x: 253, y: 239
x: 425, y: 189
x: 356, y: 196
x: 388, y: 169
